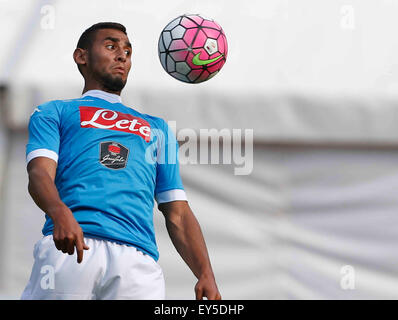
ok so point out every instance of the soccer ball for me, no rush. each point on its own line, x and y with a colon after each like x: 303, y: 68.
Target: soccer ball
x: 192, y: 48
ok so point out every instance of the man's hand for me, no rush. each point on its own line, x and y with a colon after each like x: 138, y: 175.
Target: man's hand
x: 68, y: 234
x: 206, y: 287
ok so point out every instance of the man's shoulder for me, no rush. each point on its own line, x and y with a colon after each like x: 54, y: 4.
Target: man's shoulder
x: 153, y: 120
x: 45, y: 108
x: 58, y: 104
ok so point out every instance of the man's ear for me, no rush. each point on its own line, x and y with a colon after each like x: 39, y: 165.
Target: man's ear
x: 80, y: 56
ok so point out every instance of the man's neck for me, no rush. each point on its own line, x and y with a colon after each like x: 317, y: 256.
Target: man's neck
x: 110, y: 97
x: 98, y: 87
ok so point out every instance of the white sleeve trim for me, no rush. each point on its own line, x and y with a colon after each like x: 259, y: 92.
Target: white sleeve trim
x: 42, y: 153
x: 170, y: 195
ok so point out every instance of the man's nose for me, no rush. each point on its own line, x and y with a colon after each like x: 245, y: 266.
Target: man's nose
x: 121, y: 55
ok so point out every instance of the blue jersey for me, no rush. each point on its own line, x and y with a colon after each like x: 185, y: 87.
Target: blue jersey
x: 112, y: 161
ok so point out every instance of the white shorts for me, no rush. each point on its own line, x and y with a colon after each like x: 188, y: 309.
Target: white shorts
x: 108, y: 271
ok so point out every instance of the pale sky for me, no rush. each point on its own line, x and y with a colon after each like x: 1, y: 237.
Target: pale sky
x: 309, y: 45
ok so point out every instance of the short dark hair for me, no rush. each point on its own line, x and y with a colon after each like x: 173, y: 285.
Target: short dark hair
x: 88, y: 36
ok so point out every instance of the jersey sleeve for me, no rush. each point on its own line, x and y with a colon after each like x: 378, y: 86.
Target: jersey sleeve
x: 44, y: 133
x: 169, y: 186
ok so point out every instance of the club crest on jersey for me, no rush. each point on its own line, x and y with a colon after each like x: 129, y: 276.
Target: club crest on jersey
x: 92, y: 117
x: 113, y: 155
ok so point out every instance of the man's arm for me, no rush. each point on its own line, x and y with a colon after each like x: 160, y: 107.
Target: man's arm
x: 185, y: 233
x: 67, y: 232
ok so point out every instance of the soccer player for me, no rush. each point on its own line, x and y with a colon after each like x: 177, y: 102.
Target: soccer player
x: 95, y: 167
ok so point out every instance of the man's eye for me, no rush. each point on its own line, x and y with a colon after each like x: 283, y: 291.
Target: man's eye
x: 110, y: 46
x: 128, y: 52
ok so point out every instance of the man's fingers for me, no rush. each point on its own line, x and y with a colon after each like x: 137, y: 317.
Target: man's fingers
x: 79, y: 251
x: 80, y: 247
x: 70, y: 243
x: 199, y: 294
x: 64, y: 246
x: 58, y: 244
x: 214, y: 296
x: 211, y: 296
x: 67, y: 245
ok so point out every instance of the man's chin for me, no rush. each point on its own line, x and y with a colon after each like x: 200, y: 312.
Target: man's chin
x: 114, y: 84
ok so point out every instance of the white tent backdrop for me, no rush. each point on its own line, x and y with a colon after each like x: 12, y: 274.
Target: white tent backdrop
x: 284, y: 231
x: 316, y: 217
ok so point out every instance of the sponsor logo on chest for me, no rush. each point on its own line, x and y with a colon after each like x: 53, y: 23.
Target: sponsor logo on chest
x: 93, y: 117
x: 113, y: 155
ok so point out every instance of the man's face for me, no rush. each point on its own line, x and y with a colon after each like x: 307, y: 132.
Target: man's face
x: 110, y: 59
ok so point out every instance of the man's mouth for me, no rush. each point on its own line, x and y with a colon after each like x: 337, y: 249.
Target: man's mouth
x: 119, y: 70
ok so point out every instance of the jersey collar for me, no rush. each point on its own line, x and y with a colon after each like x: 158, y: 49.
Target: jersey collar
x: 110, y: 97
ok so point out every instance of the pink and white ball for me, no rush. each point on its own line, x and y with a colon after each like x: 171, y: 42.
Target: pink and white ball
x: 192, y: 48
